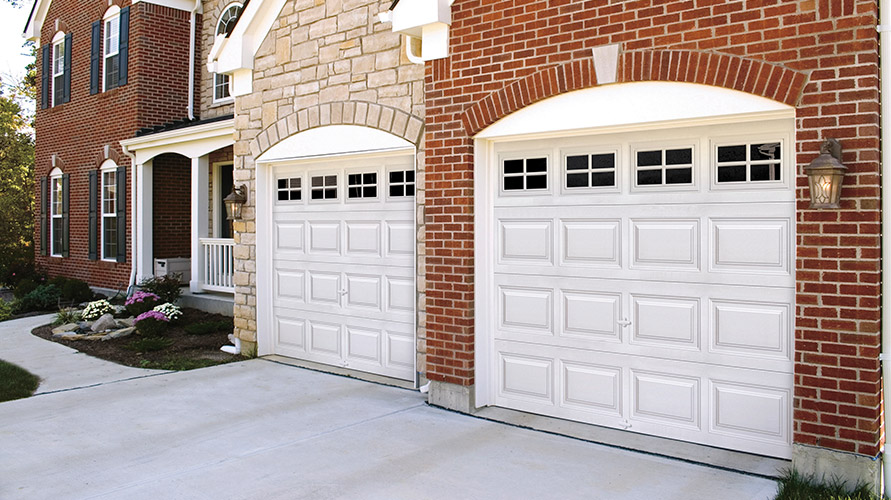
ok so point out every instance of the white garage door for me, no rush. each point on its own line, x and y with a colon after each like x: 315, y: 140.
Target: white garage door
x: 343, y: 264
x: 645, y: 281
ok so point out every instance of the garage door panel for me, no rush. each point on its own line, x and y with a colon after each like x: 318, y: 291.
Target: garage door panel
x: 400, y: 293
x: 363, y: 291
x: 751, y: 246
x: 672, y: 322
x: 324, y: 288
x: 758, y: 329
x: 290, y: 285
x: 591, y: 314
x: 665, y: 243
x: 750, y: 411
x: 530, y: 309
x: 324, y: 237
x: 291, y: 332
x: 527, y: 377
x: 289, y: 237
x: 592, y: 387
x: 591, y: 242
x: 526, y: 241
x: 324, y: 338
x: 363, y: 238
x: 364, y: 344
x: 400, y: 238
x: 666, y: 398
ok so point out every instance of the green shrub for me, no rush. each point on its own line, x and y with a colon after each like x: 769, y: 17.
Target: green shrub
x: 42, y: 298
x: 141, y: 302
x: 150, y: 344
x: 67, y: 315
x: 206, y: 327
x: 24, y: 287
x: 168, y: 288
x: 795, y: 486
x: 5, y: 310
x: 77, y: 291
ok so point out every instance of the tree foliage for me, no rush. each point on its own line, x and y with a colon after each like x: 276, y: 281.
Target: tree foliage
x: 16, y: 190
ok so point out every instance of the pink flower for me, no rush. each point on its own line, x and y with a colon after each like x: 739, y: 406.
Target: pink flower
x: 141, y: 297
x: 155, y: 315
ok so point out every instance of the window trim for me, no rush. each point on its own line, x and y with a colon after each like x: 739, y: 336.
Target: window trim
x: 108, y: 167
x: 55, y: 179
x: 285, y: 176
x: 324, y: 173
x: 614, y: 149
x: 362, y: 171
x: 58, y: 49
x: 695, y: 165
x: 525, y: 155
x: 786, y: 161
x: 112, y: 14
x: 229, y: 98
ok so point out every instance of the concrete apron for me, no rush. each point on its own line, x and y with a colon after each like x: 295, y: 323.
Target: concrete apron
x: 259, y: 429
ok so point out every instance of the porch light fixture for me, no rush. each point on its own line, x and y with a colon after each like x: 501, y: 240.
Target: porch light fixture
x: 825, y: 175
x: 235, y: 201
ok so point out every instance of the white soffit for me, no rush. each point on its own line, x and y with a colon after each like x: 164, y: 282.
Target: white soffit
x: 629, y: 104
x: 334, y: 140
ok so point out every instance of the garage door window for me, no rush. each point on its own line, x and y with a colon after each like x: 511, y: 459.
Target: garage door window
x: 324, y: 187
x: 591, y: 170
x: 664, y: 166
x: 289, y: 189
x: 402, y: 183
x: 754, y: 162
x: 362, y: 185
x: 525, y: 174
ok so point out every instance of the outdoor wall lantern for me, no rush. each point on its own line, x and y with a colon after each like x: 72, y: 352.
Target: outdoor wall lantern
x: 825, y: 175
x: 235, y: 201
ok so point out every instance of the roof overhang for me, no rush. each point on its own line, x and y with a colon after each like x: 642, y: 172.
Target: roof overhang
x: 191, y: 142
x: 234, y: 54
x: 41, y: 7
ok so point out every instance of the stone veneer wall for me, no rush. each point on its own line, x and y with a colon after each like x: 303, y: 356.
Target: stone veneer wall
x: 324, y: 63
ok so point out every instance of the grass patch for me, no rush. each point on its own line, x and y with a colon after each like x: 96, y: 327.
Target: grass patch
x: 16, y: 382
x: 207, y: 327
x: 795, y: 486
x: 150, y: 344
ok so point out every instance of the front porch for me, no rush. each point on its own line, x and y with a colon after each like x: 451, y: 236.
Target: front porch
x: 180, y: 227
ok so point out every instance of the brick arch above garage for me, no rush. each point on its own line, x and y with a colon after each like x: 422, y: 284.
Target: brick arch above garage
x: 775, y: 82
x: 362, y: 113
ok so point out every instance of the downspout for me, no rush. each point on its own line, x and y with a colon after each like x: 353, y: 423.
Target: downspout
x: 884, y: 30
x: 192, y: 21
x: 133, y: 229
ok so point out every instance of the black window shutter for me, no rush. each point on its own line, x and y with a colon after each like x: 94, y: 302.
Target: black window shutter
x: 66, y: 85
x: 121, y: 212
x: 44, y: 181
x: 95, y: 48
x: 44, y: 76
x: 65, y: 215
x: 93, y: 220
x: 124, y: 45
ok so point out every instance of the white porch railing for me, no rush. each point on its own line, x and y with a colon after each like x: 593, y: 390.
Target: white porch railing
x: 219, y: 264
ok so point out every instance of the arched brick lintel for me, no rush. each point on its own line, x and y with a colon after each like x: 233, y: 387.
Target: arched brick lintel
x: 752, y: 76
x: 362, y: 113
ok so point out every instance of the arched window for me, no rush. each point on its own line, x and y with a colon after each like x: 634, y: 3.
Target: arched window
x: 224, y: 26
x: 58, y: 68
x: 56, y: 210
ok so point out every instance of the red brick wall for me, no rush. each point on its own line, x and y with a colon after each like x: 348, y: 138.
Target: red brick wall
x: 827, y: 49
x: 77, y: 131
x: 171, y: 206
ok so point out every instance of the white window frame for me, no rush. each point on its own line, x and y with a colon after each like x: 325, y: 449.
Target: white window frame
x: 220, y: 79
x: 58, y: 65
x: 612, y: 149
x: 695, y: 165
x: 288, y: 177
x: 113, y: 14
x: 338, y: 186
x: 362, y: 185
x: 108, y: 167
x: 404, y: 184
x: 56, y: 196
x: 525, y: 156
x: 786, y: 168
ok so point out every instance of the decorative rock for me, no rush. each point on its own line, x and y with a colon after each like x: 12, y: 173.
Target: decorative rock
x: 127, y: 321
x: 85, y: 325
x: 70, y: 336
x: 68, y: 327
x: 106, y: 322
x: 123, y: 332
x: 93, y: 337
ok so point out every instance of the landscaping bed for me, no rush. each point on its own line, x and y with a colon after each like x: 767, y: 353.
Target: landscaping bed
x: 175, y: 349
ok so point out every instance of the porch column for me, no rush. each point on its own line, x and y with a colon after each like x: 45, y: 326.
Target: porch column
x: 200, y: 207
x: 144, y: 215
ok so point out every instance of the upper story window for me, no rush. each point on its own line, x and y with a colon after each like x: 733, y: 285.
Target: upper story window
x: 58, y: 68
x: 56, y: 228
x: 227, y: 21
x: 111, y: 60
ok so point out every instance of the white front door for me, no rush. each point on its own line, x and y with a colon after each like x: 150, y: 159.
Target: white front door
x: 644, y: 281
x: 343, y: 263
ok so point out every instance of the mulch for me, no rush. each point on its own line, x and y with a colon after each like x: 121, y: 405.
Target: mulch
x: 185, y: 346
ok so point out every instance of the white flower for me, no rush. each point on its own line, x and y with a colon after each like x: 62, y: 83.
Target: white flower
x: 169, y: 310
x: 96, y: 309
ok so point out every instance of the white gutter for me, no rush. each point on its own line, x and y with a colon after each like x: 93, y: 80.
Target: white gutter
x: 885, y: 81
x: 133, y: 231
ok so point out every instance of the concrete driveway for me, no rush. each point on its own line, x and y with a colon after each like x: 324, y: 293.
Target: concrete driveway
x: 259, y: 429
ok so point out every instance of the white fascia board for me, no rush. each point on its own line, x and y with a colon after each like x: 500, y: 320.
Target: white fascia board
x: 186, y: 5
x: 239, y: 50
x: 189, y: 141
x: 35, y: 22
x: 410, y: 16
